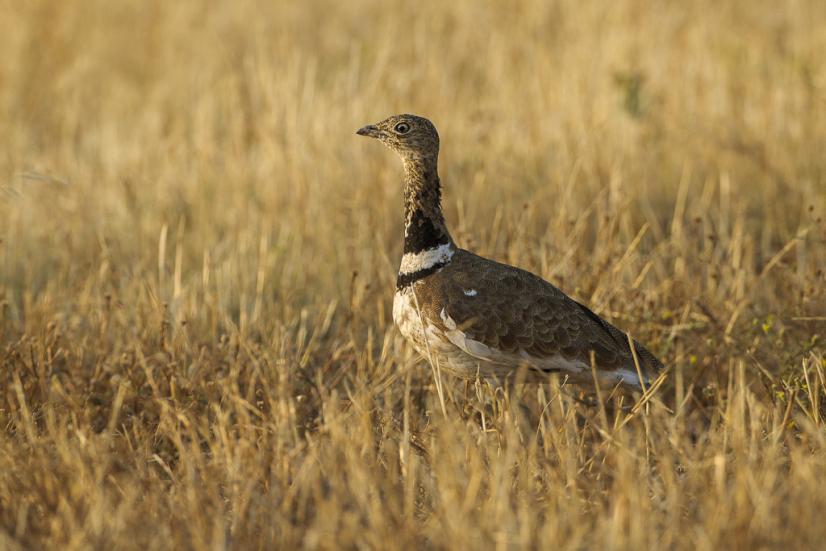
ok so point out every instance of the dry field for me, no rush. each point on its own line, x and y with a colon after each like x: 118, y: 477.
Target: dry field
x: 197, y: 261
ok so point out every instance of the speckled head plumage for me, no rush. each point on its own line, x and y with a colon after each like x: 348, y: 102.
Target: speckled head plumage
x: 410, y: 136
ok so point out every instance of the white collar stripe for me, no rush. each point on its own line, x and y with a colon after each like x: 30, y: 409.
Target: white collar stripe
x: 414, y: 262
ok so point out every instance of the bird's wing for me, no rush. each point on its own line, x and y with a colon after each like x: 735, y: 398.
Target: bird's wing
x: 497, y: 312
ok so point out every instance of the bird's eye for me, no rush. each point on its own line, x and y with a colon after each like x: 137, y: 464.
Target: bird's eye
x: 402, y: 128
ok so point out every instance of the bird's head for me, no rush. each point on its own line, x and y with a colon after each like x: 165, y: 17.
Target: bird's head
x: 411, y: 137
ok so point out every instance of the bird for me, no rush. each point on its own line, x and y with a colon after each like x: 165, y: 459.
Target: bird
x: 476, y: 317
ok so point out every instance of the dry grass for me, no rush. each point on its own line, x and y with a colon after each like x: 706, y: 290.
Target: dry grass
x: 198, y: 258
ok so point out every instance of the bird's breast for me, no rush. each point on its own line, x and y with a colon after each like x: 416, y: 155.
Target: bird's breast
x: 406, y: 316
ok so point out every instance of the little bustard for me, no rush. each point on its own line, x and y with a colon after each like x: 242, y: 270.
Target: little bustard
x: 475, y: 316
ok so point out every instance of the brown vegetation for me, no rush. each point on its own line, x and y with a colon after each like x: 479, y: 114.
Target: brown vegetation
x: 198, y: 256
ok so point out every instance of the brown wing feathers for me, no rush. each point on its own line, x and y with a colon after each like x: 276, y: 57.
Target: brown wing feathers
x: 514, y: 311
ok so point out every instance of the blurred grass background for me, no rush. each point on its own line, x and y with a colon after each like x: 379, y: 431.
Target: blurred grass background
x: 198, y: 255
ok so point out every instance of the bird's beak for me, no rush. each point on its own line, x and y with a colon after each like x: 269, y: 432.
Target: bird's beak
x: 370, y: 130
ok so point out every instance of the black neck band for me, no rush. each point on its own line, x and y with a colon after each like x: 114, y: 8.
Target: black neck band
x: 404, y: 280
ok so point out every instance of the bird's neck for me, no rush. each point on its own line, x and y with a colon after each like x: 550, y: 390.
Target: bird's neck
x: 427, y: 243
x: 424, y: 224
